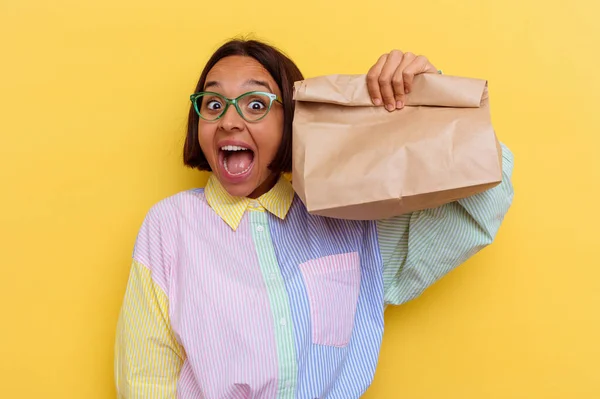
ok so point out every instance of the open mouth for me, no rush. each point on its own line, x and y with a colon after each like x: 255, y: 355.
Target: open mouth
x: 236, y: 160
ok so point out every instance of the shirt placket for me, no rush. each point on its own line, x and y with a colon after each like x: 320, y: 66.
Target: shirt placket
x: 280, y: 308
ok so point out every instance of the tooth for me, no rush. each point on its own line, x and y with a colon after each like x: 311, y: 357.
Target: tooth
x: 234, y: 148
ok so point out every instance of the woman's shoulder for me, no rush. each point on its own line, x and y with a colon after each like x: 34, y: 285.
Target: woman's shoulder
x: 177, y: 205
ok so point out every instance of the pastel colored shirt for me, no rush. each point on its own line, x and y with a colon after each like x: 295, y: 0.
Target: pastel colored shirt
x: 237, y: 298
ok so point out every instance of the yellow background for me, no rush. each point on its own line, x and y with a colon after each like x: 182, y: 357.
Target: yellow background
x: 93, y: 103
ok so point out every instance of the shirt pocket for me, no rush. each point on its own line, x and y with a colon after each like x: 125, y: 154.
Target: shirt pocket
x: 332, y: 285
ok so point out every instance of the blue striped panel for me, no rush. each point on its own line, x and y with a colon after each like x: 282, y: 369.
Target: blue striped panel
x: 328, y: 371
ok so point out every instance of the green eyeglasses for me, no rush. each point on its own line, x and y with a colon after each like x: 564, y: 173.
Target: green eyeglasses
x: 252, y: 106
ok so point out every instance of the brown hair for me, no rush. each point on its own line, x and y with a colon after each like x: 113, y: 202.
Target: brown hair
x: 284, y: 72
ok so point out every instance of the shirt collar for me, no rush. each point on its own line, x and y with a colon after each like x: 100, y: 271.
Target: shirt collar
x: 231, y: 209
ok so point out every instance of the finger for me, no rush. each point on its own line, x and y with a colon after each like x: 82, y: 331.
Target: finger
x: 385, y: 79
x: 373, y: 83
x: 419, y: 65
x: 398, y: 80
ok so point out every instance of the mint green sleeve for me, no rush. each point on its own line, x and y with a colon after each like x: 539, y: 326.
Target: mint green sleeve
x: 421, y: 247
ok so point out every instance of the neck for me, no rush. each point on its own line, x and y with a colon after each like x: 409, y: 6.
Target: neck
x: 265, y: 186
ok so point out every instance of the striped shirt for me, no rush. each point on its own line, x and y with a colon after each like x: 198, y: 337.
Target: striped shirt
x: 238, y: 298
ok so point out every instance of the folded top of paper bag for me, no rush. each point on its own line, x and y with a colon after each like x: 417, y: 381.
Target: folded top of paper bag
x: 428, y: 90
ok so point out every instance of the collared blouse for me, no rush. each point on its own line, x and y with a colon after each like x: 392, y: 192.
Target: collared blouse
x: 237, y: 298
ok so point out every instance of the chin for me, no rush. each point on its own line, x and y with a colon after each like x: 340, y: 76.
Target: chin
x: 248, y: 184
x: 239, y: 190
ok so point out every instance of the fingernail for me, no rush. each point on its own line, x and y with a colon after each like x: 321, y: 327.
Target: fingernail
x: 399, y: 104
x: 376, y: 101
x: 390, y: 107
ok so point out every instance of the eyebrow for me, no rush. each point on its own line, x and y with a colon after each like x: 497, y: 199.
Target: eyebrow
x: 249, y: 82
x: 211, y: 83
x: 254, y: 82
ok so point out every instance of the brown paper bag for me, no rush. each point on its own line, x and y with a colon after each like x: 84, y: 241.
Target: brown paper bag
x: 352, y: 160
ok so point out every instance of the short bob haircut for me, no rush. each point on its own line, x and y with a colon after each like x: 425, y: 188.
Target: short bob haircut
x: 284, y: 72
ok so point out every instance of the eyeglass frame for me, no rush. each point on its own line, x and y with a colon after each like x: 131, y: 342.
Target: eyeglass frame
x: 234, y: 101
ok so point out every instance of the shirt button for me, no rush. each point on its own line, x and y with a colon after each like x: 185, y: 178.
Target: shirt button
x: 288, y: 384
x: 282, y: 321
x: 272, y: 276
x: 260, y: 228
x: 254, y: 204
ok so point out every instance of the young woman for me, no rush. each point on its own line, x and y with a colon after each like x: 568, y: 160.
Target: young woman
x: 237, y: 292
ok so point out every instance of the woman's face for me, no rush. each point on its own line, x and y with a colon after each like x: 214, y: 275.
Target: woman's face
x: 243, y: 172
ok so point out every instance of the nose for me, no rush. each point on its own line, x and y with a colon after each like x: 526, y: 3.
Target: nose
x: 231, y: 120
